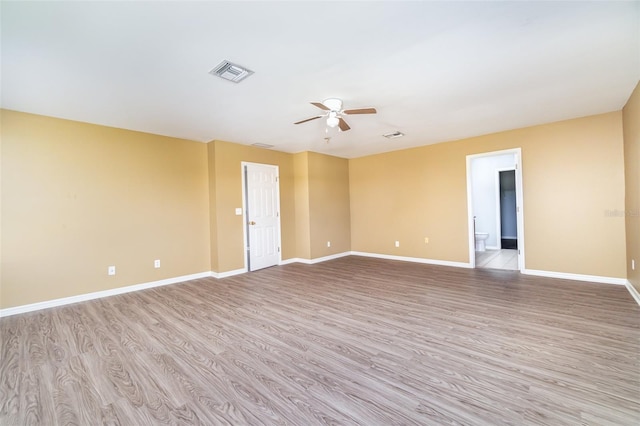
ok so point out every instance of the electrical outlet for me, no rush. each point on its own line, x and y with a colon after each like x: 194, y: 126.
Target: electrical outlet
x: 397, y: 243
x: 426, y: 240
x: 111, y: 270
x: 328, y: 243
x: 156, y: 263
x: 633, y: 264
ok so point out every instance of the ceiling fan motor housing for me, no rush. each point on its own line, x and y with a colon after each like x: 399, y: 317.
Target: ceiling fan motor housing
x: 334, y: 104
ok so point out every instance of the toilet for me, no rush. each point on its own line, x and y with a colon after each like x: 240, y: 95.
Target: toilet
x: 481, y: 237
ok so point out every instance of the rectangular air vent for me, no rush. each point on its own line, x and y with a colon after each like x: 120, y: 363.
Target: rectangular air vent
x: 393, y: 135
x: 262, y: 145
x: 230, y: 71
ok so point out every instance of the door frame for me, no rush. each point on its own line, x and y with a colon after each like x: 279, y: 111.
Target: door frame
x: 519, y: 204
x: 245, y: 224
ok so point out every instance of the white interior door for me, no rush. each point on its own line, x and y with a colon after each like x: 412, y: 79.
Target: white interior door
x: 263, y: 215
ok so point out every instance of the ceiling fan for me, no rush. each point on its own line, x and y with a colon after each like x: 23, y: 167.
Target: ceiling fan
x: 334, y: 112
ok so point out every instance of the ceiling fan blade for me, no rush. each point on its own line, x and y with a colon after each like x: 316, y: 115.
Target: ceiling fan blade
x: 321, y: 106
x: 343, y: 125
x: 308, y: 119
x: 360, y: 111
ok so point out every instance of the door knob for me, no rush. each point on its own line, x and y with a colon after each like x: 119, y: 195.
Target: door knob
x: 252, y: 223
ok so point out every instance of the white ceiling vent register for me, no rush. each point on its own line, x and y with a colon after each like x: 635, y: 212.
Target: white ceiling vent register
x: 230, y: 71
x: 393, y: 135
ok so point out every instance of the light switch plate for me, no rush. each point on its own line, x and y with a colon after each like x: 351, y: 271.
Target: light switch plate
x: 238, y: 211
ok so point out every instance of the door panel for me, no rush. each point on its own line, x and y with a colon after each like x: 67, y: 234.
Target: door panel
x: 263, y: 222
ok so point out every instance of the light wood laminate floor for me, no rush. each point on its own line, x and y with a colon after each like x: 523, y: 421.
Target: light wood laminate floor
x: 353, y: 341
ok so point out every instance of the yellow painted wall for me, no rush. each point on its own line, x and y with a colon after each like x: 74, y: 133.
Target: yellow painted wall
x: 631, y: 127
x: 573, y: 173
x: 78, y: 197
x: 303, y: 231
x: 408, y: 195
x: 213, y: 211
x: 228, y: 159
x: 322, y: 205
x: 329, y: 209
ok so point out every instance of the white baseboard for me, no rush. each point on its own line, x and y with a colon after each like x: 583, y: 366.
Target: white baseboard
x: 413, y: 259
x: 317, y: 259
x: 98, y: 294
x: 576, y: 277
x: 633, y: 291
x: 226, y: 274
x: 121, y: 290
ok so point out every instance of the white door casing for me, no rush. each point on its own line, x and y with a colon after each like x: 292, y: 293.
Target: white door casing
x: 519, y: 204
x: 262, y: 215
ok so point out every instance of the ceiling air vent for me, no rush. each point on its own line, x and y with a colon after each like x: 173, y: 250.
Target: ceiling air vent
x: 262, y: 145
x: 393, y: 135
x: 230, y: 71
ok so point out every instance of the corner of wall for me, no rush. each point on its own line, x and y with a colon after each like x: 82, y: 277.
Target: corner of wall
x: 213, y: 224
x: 302, y: 214
x: 631, y: 137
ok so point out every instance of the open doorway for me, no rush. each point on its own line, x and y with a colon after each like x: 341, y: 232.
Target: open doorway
x: 508, y: 208
x: 494, y: 195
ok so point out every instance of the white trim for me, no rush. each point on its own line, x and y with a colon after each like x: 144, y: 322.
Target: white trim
x: 470, y: 221
x: 219, y: 275
x: 317, y: 259
x: 414, y: 259
x: 290, y: 261
x: 99, y: 294
x: 576, y: 277
x: 633, y: 291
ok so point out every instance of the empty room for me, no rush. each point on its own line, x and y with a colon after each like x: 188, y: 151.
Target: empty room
x: 323, y: 212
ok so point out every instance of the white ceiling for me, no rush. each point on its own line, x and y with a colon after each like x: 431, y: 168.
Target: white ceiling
x: 437, y: 71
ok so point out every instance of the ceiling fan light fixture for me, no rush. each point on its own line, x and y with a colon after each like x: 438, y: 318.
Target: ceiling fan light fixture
x: 333, y: 120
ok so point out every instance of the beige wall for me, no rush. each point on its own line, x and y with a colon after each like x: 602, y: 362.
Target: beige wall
x: 303, y: 231
x: 322, y: 205
x: 78, y: 197
x: 573, y: 172
x: 631, y: 127
x: 406, y: 196
x: 329, y: 209
x: 213, y: 211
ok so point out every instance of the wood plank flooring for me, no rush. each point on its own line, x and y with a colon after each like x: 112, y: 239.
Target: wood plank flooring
x: 353, y: 341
